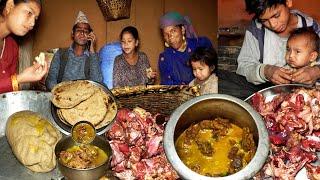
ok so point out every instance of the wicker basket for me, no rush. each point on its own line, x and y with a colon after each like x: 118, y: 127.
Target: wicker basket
x: 114, y: 10
x: 154, y: 98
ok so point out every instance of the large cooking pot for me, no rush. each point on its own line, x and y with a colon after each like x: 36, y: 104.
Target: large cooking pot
x: 208, y: 107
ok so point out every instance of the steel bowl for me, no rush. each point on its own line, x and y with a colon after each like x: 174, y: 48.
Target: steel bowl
x: 83, y: 174
x: 208, y: 107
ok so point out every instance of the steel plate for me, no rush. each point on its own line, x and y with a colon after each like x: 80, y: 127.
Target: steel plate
x: 269, y: 94
x: 10, y: 103
x: 11, y: 168
x: 37, y: 101
x: 272, y: 91
x: 67, y: 128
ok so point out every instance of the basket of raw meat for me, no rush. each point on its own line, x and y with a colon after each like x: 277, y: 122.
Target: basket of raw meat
x: 292, y: 116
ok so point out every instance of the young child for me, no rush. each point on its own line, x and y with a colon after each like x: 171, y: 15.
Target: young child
x: 204, y: 62
x: 302, y: 49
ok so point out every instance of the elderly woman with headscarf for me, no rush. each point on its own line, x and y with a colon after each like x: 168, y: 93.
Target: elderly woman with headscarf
x: 180, y: 41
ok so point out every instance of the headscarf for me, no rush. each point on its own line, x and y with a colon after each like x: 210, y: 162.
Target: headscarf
x: 174, y: 18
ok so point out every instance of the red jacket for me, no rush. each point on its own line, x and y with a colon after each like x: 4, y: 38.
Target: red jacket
x: 8, y: 64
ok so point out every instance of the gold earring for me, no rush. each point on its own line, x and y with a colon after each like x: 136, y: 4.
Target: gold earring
x: 183, y: 38
x: 313, y: 63
x: 166, y: 44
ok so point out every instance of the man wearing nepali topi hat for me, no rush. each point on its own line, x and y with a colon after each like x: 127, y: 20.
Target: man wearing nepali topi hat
x: 80, y: 60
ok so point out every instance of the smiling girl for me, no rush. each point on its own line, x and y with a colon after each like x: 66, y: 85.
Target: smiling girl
x: 130, y: 68
x: 17, y: 17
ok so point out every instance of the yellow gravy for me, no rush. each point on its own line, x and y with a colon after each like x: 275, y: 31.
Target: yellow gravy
x: 215, y: 165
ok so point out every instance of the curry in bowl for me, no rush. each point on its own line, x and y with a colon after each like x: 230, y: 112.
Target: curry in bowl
x: 83, y: 156
x: 215, y: 147
x: 83, y: 161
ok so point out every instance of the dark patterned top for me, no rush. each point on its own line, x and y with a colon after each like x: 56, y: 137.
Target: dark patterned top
x: 125, y: 74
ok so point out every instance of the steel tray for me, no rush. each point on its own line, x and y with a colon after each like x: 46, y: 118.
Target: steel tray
x: 269, y: 93
x: 10, y: 103
x: 66, y: 129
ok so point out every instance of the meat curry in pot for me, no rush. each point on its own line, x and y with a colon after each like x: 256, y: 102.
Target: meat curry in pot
x: 216, y: 147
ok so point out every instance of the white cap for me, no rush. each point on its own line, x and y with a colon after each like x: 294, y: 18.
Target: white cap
x: 81, y: 18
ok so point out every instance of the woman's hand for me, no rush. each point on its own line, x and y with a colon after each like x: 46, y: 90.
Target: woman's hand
x: 277, y: 75
x: 33, y: 73
x: 306, y: 75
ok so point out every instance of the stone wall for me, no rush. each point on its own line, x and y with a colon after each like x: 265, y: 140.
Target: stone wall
x: 227, y: 57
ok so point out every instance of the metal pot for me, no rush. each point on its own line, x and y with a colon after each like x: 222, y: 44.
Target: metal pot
x: 208, y: 107
x: 83, y: 174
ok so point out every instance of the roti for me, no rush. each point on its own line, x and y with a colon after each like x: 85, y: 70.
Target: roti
x: 62, y: 118
x: 110, y: 115
x: 93, y: 110
x: 69, y: 94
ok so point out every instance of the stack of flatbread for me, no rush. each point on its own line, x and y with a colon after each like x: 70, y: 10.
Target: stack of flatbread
x: 83, y: 101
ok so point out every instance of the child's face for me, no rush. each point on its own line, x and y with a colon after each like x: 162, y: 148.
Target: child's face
x: 299, y: 53
x: 128, y: 43
x: 201, y: 71
x: 276, y: 18
x: 21, y: 17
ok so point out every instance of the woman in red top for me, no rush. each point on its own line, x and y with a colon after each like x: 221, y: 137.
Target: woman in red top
x: 18, y: 18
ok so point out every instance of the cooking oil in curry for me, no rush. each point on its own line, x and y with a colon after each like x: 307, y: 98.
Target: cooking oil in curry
x: 216, y: 164
x: 97, y: 155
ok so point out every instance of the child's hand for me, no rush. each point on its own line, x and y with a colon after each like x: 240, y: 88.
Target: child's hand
x: 149, y: 72
x: 153, y: 74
